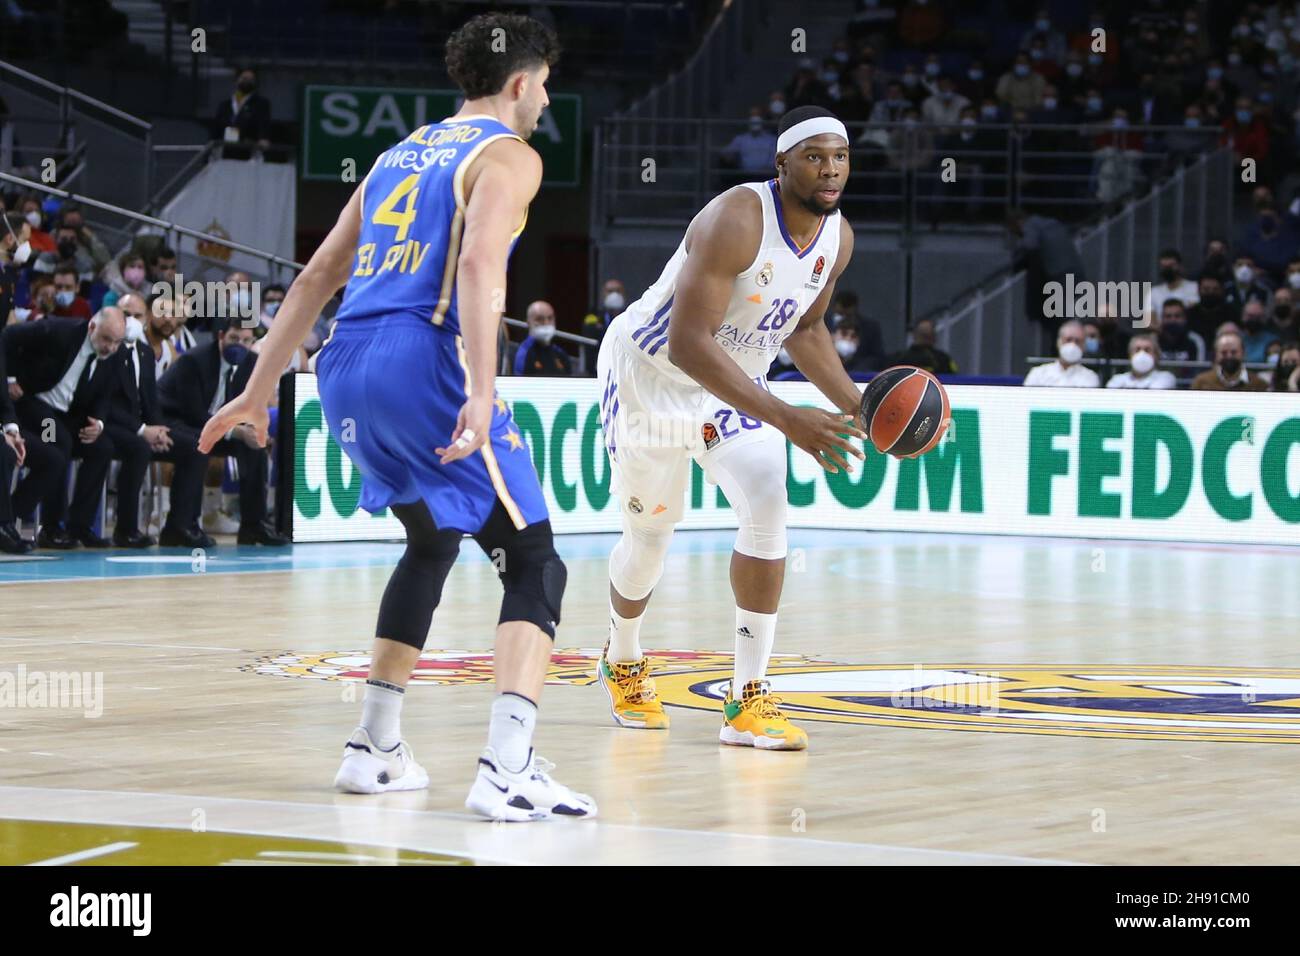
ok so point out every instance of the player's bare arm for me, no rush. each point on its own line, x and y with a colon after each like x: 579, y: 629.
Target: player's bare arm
x: 721, y: 243
x: 810, y: 345
x: 500, y: 185
x: 325, y: 273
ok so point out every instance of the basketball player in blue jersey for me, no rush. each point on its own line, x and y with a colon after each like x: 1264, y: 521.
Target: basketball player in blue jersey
x: 683, y: 372
x: 407, y: 386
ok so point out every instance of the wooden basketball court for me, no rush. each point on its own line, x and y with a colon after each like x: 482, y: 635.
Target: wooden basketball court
x: 969, y: 700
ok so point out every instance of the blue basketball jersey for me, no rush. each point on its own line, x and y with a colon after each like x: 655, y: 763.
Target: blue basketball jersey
x: 413, y: 215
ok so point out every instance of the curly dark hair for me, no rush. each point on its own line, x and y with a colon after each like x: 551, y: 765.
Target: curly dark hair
x: 480, y: 59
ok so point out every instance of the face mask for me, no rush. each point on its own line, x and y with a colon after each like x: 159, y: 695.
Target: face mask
x: 1036, y: 54
x: 1094, y: 58
x: 1070, y: 352
x: 1190, y: 28
x: 33, y: 219
x: 989, y: 112
x: 756, y: 126
x: 245, y: 86
x: 910, y: 79
x: 1094, y: 105
x: 1043, y: 25
x: 271, y: 308
x: 1169, y: 275
x: 1119, y: 122
x: 1293, y: 280
x: 784, y: 357
x: 777, y: 107
x: 1092, y: 345
x: 932, y: 69
x: 1211, y: 300
x: 1243, y: 274
x: 1252, y: 322
x: 23, y: 314
x: 544, y: 333
x: 1283, y: 312
x: 975, y: 75
x: 1074, y: 69
x: 67, y: 248
x: 614, y: 301
x: 829, y: 77
x: 1264, y: 96
x: 1243, y: 116
x: 1192, y: 122
x: 234, y: 354
x: 22, y: 253
x: 134, y: 275
x: 845, y: 348
x: 134, y: 329
x: 1272, y: 359
x: 1173, y: 331
x: 1230, y: 366
x: 1234, y: 59
x: 64, y: 299
x: 1268, y: 69
x: 970, y: 121
x: 841, y: 56
x: 1021, y: 70
x: 1142, y: 362
x: 1215, y: 72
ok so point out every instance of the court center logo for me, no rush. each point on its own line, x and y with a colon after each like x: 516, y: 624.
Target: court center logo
x: 1226, y: 704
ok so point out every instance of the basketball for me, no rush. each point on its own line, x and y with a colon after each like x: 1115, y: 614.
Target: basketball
x: 905, y: 411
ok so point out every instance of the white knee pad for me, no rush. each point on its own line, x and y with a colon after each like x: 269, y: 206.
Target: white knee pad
x: 754, y: 482
x: 637, y: 561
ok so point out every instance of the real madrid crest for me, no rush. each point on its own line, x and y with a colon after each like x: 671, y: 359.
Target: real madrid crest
x: 634, y: 505
x: 764, y: 274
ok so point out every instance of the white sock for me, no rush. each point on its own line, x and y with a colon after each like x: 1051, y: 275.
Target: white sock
x: 381, y: 713
x: 755, y: 633
x: 510, y: 733
x: 624, y: 638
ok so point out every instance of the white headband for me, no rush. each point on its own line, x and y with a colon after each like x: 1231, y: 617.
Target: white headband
x: 810, y: 127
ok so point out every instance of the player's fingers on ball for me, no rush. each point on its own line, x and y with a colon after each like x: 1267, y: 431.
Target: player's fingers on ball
x: 834, y: 455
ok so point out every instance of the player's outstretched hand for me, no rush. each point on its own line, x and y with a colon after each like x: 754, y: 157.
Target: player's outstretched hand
x: 239, y: 411
x: 472, y: 428
x: 823, y: 435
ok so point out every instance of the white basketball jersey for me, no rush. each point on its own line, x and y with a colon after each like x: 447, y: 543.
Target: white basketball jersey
x: 767, y: 299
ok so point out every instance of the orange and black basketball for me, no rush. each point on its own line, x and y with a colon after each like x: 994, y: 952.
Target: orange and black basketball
x: 905, y: 411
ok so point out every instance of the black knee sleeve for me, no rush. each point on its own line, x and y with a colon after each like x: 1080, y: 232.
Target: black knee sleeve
x: 532, y: 574
x: 414, y: 590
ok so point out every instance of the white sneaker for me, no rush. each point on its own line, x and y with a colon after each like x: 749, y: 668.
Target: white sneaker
x: 367, y: 769
x: 220, y: 522
x: 530, y: 794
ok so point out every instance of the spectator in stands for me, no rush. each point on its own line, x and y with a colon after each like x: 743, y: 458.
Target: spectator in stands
x: 538, y: 354
x: 1114, y: 337
x: 1271, y: 238
x: 1047, y: 38
x: 976, y: 85
x: 41, y: 240
x: 613, y: 299
x: 162, y: 265
x: 71, y: 217
x: 1020, y: 88
x: 1143, y: 357
x: 1286, y: 376
x: 1190, y: 140
x: 1043, y: 64
x: 67, y: 303
x: 776, y: 105
x: 125, y: 276
x: 135, y: 425
x: 871, y: 342
x: 806, y: 87
x: 13, y: 452
x: 1045, y: 248
x: 70, y: 251
x: 198, y: 383
x: 914, y: 90
x: 1259, y: 334
x: 1092, y: 346
x: 1177, y: 342
x: 1248, y: 282
x: 1228, y: 374
x: 1094, y: 106
x: 272, y: 299
x: 246, y: 116
x: 62, y: 380
x: 923, y: 352
x: 752, y: 151
x: 1247, y: 131
x: 1283, y: 318
x: 1066, y: 370
x: 944, y: 107
x: 1293, y: 274
x: 1072, y: 86
x: 1212, y: 308
x: 848, y: 344
x: 1173, y: 284
x: 890, y: 109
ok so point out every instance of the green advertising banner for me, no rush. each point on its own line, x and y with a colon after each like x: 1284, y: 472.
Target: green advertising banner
x: 1177, y: 466
x: 359, y: 122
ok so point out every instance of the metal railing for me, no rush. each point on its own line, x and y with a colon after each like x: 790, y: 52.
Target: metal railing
x: 1124, y: 247
x: 663, y: 169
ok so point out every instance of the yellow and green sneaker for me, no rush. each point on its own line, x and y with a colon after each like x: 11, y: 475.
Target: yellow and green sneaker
x: 631, y: 690
x: 756, y: 721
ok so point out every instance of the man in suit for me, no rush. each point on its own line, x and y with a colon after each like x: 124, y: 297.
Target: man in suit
x: 13, y: 451
x: 61, y: 396
x: 246, y: 116
x: 198, y: 383
x: 135, y: 426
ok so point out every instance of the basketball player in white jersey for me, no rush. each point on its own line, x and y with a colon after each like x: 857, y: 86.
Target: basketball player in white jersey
x: 683, y: 376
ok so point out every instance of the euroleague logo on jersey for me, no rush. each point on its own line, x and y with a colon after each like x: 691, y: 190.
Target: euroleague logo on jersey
x: 815, y: 279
